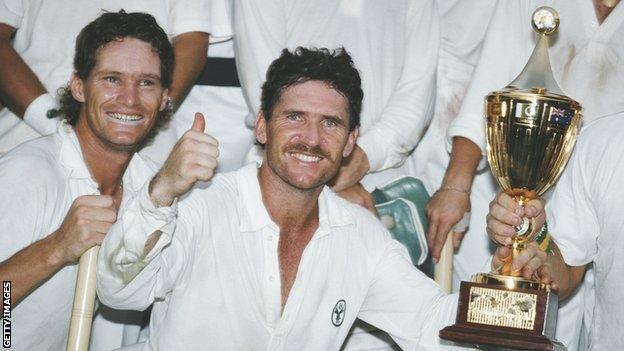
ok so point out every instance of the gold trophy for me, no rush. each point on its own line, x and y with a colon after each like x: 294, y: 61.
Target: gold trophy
x: 531, y: 129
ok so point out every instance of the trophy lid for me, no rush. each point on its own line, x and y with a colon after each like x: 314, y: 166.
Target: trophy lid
x: 537, y: 75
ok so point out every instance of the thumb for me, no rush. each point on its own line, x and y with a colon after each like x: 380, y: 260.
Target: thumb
x: 199, y: 124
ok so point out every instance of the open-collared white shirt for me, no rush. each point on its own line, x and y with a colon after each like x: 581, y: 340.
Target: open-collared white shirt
x: 214, y: 275
x: 39, y: 181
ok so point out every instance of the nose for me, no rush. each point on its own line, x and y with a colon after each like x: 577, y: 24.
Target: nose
x: 311, y: 134
x: 129, y: 94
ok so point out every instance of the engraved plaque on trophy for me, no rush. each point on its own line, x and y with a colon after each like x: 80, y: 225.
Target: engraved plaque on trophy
x: 531, y: 128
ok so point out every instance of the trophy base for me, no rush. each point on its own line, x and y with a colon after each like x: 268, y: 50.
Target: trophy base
x: 499, y: 340
x: 505, y: 313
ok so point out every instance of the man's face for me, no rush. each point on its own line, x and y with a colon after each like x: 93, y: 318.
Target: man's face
x: 122, y: 95
x: 308, y: 135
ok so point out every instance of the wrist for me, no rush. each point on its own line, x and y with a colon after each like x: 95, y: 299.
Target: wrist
x: 158, y: 194
x: 455, y: 189
x: 54, y: 253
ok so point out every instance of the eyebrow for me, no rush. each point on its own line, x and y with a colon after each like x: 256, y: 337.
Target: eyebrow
x: 142, y: 75
x: 336, y: 119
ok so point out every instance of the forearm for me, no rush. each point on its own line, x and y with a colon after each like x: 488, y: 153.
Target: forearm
x: 567, y: 278
x: 190, y: 57
x: 465, y: 157
x: 30, y: 267
x: 19, y: 86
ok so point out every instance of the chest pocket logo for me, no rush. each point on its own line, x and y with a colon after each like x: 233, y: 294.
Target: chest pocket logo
x: 338, y: 313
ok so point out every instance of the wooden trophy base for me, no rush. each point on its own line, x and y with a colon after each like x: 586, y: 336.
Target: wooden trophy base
x: 506, y: 315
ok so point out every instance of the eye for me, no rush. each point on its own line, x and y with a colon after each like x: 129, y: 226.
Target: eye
x: 111, y: 79
x: 330, y: 123
x: 147, y: 82
x: 295, y: 116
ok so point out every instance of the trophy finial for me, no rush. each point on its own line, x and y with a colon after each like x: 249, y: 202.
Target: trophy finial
x: 537, y: 75
x: 545, y: 20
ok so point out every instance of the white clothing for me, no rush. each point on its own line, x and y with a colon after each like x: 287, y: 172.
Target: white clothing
x: 40, y: 180
x: 394, y: 45
x: 225, y: 110
x: 586, y: 222
x: 219, y: 269
x: 46, y: 32
x: 585, y: 59
x: 463, y: 25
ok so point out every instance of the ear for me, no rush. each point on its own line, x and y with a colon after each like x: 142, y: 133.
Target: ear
x: 164, y: 100
x: 76, y: 85
x: 351, y: 139
x: 260, y: 128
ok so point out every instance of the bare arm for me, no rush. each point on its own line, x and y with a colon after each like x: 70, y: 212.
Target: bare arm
x: 190, y: 51
x: 88, y: 220
x: 19, y: 86
x: 448, y: 206
x: 30, y: 267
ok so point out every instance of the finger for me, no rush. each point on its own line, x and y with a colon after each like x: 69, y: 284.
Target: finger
x: 544, y: 275
x: 531, y: 257
x: 94, y: 200
x: 534, y: 208
x: 440, y: 239
x: 101, y: 227
x: 505, y: 215
x: 107, y: 214
x: 501, y: 254
x: 431, y: 231
x: 509, y: 203
x: 457, y: 238
x: 499, y: 232
x: 199, y: 124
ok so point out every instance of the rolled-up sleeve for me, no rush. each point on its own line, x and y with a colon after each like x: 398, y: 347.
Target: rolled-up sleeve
x: 129, y: 278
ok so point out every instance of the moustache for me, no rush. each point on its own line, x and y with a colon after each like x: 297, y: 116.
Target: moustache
x: 310, y: 150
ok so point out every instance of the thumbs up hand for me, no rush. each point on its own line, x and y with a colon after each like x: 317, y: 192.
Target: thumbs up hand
x: 193, y: 158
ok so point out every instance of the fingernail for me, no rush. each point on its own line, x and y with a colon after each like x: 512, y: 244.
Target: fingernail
x: 435, y: 260
x: 518, y: 211
x: 508, y: 241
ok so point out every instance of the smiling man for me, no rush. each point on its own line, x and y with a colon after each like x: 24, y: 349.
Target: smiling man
x: 269, y: 257
x: 63, y: 192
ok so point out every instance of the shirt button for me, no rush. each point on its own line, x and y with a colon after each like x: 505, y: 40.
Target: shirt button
x: 269, y: 238
x: 271, y: 278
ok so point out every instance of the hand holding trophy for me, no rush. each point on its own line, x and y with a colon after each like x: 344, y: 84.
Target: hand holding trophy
x: 531, y: 128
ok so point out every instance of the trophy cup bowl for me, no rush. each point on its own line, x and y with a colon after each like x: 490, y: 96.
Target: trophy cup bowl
x: 531, y: 129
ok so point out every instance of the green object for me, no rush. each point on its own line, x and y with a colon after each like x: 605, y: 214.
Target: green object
x: 401, y: 207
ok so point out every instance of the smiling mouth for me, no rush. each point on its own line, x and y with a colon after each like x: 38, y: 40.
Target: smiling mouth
x: 125, y: 118
x: 306, y: 158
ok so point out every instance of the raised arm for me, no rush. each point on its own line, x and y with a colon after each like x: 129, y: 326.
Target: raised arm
x: 133, y: 270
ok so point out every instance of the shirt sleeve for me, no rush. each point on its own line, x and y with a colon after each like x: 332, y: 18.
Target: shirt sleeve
x: 12, y: 12
x: 209, y: 16
x: 127, y: 277
x: 260, y: 29
x: 507, y: 45
x: 394, y: 135
x: 405, y: 303
x: 572, y: 218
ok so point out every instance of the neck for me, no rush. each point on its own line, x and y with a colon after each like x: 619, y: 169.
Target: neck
x: 288, y: 206
x: 107, y: 166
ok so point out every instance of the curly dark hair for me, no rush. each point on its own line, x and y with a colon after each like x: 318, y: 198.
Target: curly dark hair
x: 109, y: 27
x: 332, y: 67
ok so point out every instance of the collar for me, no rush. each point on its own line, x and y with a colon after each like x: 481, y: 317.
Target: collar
x: 70, y: 158
x: 333, y: 211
